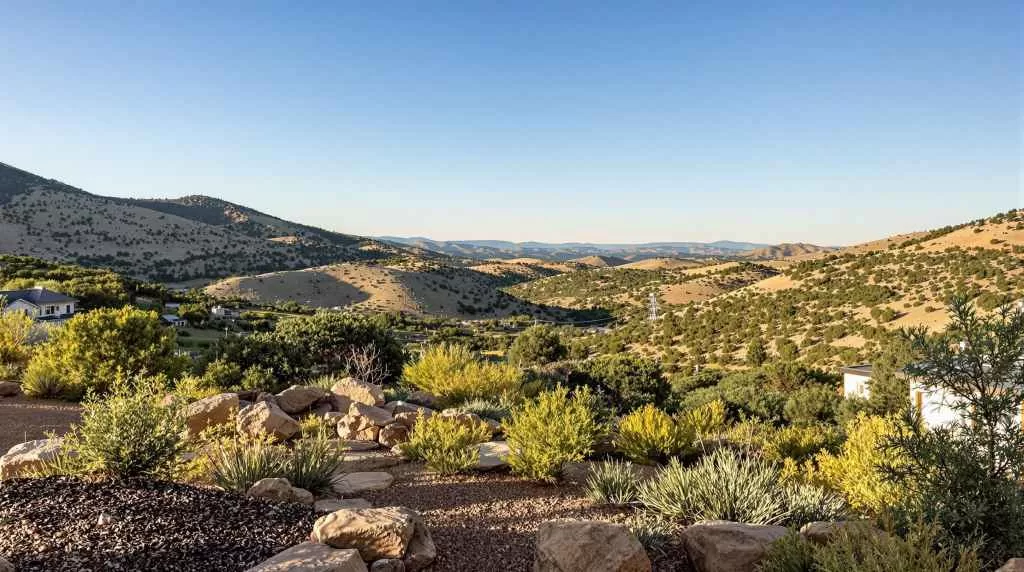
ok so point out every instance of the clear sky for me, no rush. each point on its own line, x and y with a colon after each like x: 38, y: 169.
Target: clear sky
x: 827, y: 122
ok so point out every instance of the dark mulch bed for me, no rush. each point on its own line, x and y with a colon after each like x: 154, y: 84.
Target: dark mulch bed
x: 51, y: 524
x: 489, y: 521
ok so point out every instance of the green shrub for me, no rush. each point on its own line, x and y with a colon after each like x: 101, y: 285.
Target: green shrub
x: 236, y: 464
x: 649, y: 434
x: 863, y: 548
x: 129, y: 434
x: 704, y: 420
x: 486, y: 408
x: 856, y: 471
x: 537, y: 345
x: 445, y: 443
x: 549, y: 431
x: 452, y: 373
x: 628, y: 381
x: 612, y: 482
x: 96, y: 349
x: 43, y: 382
x: 723, y: 485
x: 811, y: 405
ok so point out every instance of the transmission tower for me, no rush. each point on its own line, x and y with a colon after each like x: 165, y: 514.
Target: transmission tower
x: 653, y: 305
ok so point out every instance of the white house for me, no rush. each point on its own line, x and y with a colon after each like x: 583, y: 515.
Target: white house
x: 40, y: 304
x: 174, y: 320
x: 224, y: 312
x: 937, y: 406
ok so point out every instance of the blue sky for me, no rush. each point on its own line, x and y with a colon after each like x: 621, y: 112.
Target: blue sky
x: 590, y: 121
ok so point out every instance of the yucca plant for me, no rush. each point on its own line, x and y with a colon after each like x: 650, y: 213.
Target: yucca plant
x: 313, y: 463
x: 723, y: 485
x: 612, y: 482
x: 237, y: 464
x: 810, y: 503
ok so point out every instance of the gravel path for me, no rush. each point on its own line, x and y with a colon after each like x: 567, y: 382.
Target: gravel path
x: 51, y: 525
x: 489, y: 521
x: 23, y: 419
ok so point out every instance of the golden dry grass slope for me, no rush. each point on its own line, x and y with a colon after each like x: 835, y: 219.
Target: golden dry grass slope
x: 414, y: 287
x: 839, y: 307
x: 167, y: 240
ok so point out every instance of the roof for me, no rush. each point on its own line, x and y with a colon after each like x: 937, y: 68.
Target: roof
x: 36, y: 296
x: 171, y: 318
x: 860, y: 369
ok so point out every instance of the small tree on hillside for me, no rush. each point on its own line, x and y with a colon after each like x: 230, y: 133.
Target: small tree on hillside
x: 757, y: 353
x: 965, y: 475
x: 537, y: 345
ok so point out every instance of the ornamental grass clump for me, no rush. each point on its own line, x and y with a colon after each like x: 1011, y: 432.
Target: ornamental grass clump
x: 612, y: 482
x: 551, y: 430
x: 237, y: 464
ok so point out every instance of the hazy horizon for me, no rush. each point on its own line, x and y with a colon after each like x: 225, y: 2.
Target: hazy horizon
x: 556, y: 123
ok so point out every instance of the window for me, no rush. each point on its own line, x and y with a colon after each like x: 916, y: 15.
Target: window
x: 67, y: 309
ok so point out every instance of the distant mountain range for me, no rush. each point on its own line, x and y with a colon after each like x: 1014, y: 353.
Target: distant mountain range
x: 487, y: 249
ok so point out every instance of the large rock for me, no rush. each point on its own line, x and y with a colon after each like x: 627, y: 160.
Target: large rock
x: 356, y: 428
x: 265, y: 417
x: 364, y: 461
x: 325, y: 506
x: 298, y: 398
x: 396, y: 407
x: 313, y: 557
x: 355, y: 391
x: 347, y: 445
x: 421, y: 551
x: 214, y: 410
x: 355, y: 484
x: 393, y: 434
x: 31, y: 456
x: 410, y: 418
x: 424, y: 398
x: 9, y: 388
x: 723, y: 546
x: 376, y: 415
x: 493, y: 455
x: 1012, y: 565
x: 588, y: 546
x: 375, y: 532
x: 5, y: 565
x: 280, y: 490
x: 388, y: 565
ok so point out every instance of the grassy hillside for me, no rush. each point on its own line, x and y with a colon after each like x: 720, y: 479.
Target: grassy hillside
x: 838, y: 307
x: 413, y: 286
x: 166, y: 240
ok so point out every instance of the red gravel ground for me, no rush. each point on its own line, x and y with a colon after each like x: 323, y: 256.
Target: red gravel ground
x: 23, y: 419
x: 489, y: 521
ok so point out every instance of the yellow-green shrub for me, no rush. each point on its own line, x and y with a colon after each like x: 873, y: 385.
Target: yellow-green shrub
x: 704, y: 420
x: 855, y: 471
x: 549, y: 431
x: 452, y: 373
x: 649, y: 434
x: 445, y: 443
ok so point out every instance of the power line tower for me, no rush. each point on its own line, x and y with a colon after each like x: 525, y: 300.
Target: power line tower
x: 652, y: 302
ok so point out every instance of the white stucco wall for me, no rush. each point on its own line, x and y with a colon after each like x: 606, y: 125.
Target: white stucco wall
x: 855, y: 385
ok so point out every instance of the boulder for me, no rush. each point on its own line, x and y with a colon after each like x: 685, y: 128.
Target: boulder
x: 30, y: 456
x: 588, y: 546
x: 9, y: 388
x: 265, y: 417
x: 375, y: 532
x: 5, y: 565
x: 1012, y: 565
x: 363, y: 461
x: 298, y: 398
x: 393, y: 434
x: 357, y: 428
x: 322, y: 409
x: 313, y: 557
x: 396, y: 407
x: 214, y: 410
x: 409, y: 418
x: 376, y: 415
x: 354, y: 484
x: 388, y: 565
x: 325, y: 506
x: 355, y: 391
x: 723, y: 546
x: 351, y: 445
x: 423, y: 398
x: 280, y: 490
x: 421, y: 551
x: 493, y: 455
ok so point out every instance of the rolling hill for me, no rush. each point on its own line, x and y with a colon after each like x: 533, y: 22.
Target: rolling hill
x: 169, y: 240
x: 786, y: 250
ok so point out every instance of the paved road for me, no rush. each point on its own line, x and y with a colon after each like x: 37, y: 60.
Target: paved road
x: 24, y: 419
